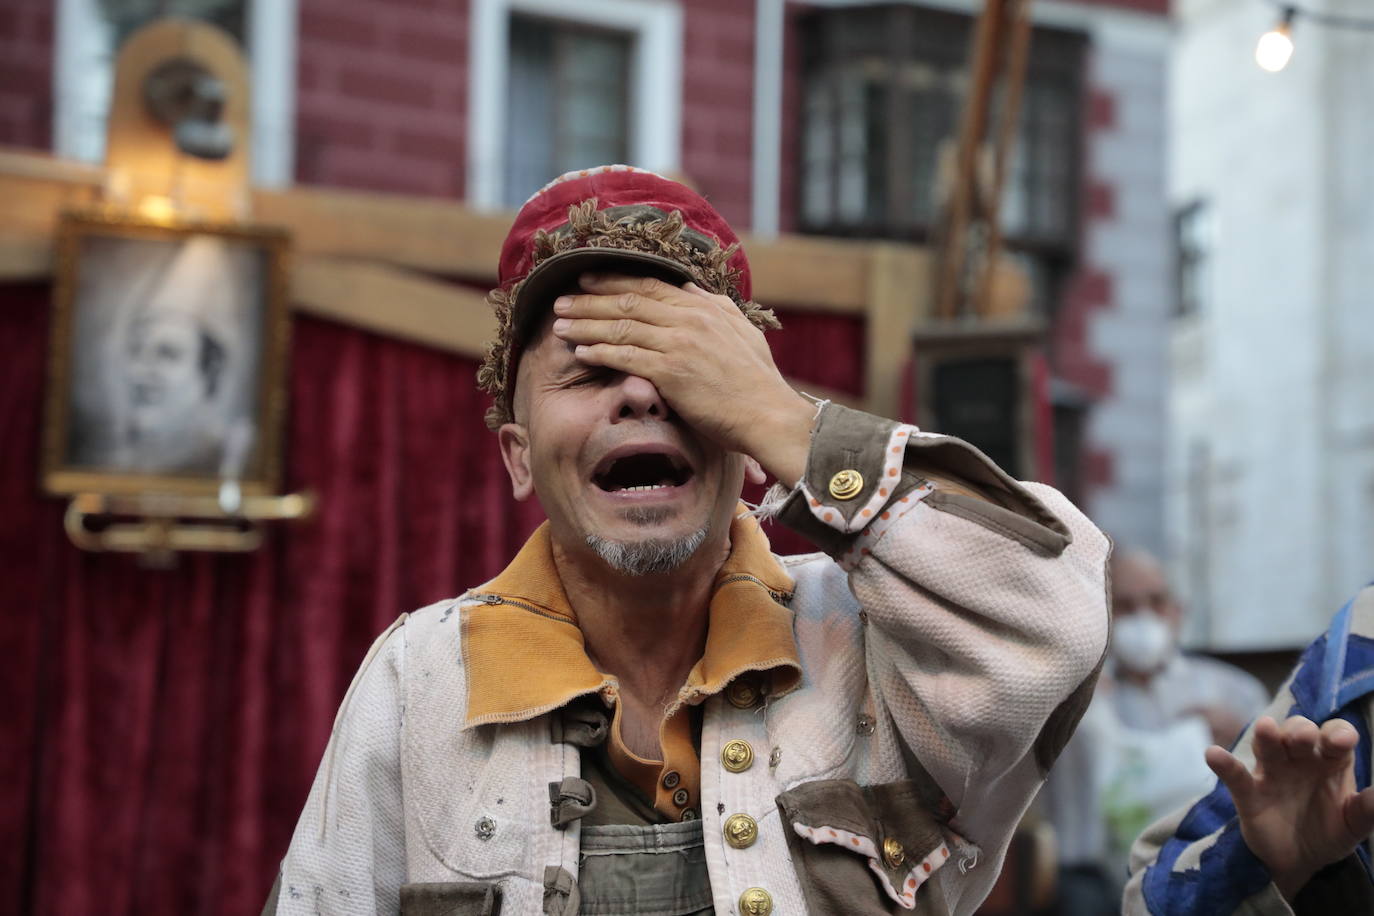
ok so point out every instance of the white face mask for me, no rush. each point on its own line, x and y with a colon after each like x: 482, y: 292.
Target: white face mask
x: 1142, y: 642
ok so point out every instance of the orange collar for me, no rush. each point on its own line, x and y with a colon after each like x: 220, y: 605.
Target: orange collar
x: 524, y: 654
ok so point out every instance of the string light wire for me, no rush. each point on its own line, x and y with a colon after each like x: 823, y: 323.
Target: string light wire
x: 1292, y: 12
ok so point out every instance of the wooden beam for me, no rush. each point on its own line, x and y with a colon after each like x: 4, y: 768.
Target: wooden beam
x: 438, y: 236
x: 899, y: 300
x: 443, y: 236
x: 22, y: 163
x: 810, y: 274
x: 394, y: 302
x: 30, y: 206
x: 360, y: 254
x: 25, y: 257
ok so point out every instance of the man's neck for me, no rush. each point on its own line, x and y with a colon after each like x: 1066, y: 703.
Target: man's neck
x: 648, y: 631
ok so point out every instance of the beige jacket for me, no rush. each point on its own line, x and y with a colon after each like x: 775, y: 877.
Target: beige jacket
x: 948, y: 645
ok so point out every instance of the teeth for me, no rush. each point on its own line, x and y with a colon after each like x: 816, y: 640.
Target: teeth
x: 652, y: 486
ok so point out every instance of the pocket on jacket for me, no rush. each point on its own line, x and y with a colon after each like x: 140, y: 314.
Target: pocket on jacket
x: 864, y: 849
x: 450, y: 898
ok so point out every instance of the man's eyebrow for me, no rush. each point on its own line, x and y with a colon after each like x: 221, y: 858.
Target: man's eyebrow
x: 568, y: 367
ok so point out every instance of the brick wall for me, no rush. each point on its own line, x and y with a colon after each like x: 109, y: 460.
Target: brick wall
x: 26, y: 43
x: 1111, y: 339
x: 718, y: 103
x: 382, y: 101
x: 792, y: 87
x: 382, y: 95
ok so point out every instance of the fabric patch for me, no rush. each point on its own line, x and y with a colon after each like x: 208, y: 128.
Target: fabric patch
x: 905, y: 896
x: 894, y: 451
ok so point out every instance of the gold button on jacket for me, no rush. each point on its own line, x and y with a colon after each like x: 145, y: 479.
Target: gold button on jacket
x: 737, y: 756
x: 742, y: 693
x: 893, y: 853
x: 741, y: 831
x: 846, y: 484
x: 756, y: 902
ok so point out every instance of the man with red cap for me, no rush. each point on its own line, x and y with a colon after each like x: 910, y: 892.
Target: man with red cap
x: 648, y: 712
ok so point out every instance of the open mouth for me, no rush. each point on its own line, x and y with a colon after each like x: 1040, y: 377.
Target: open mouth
x: 642, y: 473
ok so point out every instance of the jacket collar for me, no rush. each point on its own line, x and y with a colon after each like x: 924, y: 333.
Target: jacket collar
x: 524, y: 654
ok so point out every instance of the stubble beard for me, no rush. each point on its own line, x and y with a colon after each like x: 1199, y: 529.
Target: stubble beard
x: 649, y: 556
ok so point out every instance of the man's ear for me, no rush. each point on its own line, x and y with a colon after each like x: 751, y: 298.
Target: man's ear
x: 753, y: 472
x: 515, y: 452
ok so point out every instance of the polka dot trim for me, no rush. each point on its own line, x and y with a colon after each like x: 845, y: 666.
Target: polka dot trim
x: 920, y: 873
x: 583, y: 173
x: 868, y: 539
x: 894, y: 451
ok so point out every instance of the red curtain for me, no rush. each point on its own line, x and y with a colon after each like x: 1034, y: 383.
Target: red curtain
x: 163, y: 726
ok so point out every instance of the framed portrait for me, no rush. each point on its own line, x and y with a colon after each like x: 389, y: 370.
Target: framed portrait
x: 167, y: 362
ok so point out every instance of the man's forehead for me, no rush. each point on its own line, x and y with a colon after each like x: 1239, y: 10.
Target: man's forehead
x: 551, y: 354
x: 1138, y: 573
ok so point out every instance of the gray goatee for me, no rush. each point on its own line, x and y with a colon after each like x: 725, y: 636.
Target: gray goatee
x: 651, y: 555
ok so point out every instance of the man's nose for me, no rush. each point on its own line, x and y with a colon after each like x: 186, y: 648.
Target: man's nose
x: 637, y: 398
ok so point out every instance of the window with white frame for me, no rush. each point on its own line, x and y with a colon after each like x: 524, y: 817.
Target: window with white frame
x: 883, y: 87
x: 571, y: 85
x: 557, y: 86
x: 90, y: 32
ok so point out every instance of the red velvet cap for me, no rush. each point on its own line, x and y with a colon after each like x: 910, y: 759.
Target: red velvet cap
x: 603, y: 219
x: 614, y: 186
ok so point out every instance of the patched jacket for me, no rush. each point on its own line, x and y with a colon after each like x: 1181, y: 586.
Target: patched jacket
x: 947, y: 645
x: 1195, y: 862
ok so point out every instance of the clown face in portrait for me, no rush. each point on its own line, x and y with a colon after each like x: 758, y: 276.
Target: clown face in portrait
x: 162, y: 365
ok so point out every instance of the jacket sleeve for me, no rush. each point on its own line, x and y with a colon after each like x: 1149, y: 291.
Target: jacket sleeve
x: 1195, y: 861
x: 986, y: 605
x: 347, y: 855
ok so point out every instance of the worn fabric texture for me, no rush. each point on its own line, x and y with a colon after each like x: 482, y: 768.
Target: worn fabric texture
x: 749, y: 631
x: 450, y: 899
x: 837, y: 831
x: 645, y: 870
x: 947, y: 639
x: 1195, y: 861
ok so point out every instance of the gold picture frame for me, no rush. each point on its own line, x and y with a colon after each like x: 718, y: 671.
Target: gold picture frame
x: 167, y: 358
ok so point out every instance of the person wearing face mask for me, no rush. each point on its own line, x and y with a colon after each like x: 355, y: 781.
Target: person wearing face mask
x: 1154, y: 683
x: 1138, y: 752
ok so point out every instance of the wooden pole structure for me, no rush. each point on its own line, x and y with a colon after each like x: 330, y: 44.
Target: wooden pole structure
x: 969, y: 237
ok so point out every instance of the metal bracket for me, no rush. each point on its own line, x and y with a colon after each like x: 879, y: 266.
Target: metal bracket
x: 160, y: 525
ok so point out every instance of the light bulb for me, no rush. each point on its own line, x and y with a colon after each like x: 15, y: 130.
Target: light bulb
x: 1275, y: 46
x: 1274, y: 50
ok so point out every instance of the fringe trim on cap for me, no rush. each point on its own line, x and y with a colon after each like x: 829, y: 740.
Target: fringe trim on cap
x: 588, y: 227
